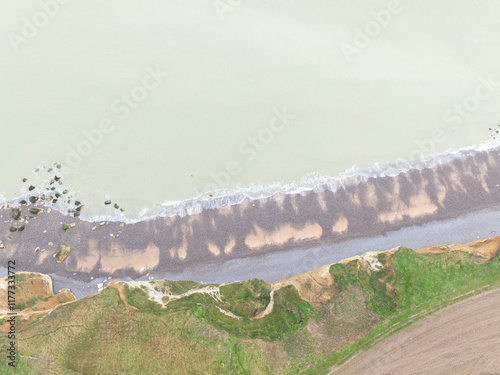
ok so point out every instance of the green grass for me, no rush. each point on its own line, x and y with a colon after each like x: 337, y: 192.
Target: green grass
x: 424, y: 282
x: 248, y: 298
x: 21, y: 364
x: 139, y: 298
x: 290, y: 313
x: 381, y: 299
x: 180, y: 287
x: 100, y: 335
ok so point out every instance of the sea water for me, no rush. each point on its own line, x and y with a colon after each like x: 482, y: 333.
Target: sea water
x: 166, y: 107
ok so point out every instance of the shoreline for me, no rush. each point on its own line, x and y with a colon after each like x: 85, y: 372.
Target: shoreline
x: 372, y: 208
x: 228, y: 197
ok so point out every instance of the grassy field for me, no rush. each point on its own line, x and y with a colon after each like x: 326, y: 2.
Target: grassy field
x: 203, y: 333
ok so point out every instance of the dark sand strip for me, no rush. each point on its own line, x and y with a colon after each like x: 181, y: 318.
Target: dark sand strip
x: 281, y: 265
x: 308, y: 225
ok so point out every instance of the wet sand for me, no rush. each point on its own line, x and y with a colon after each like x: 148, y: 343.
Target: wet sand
x: 281, y: 265
x: 272, y: 239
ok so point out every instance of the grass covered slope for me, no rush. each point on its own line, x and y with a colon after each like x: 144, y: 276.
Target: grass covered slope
x: 307, y: 323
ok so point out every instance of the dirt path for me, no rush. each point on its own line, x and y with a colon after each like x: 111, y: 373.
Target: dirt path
x: 461, y: 339
x: 119, y: 286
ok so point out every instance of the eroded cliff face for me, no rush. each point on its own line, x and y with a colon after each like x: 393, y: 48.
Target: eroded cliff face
x: 33, y: 298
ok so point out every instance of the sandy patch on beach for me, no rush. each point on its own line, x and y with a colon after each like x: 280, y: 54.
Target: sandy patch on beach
x: 260, y: 237
x: 294, y: 203
x: 440, y: 192
x: 125, y: 258
x: 322, y: 202
x: 341, y: 225
x: 213, y: 248
x: 230, y: 246
x: 89, y: 261
x: 420, y: 205
x: 182, y: 252
x: 371, y: 198
x: 119, y: 257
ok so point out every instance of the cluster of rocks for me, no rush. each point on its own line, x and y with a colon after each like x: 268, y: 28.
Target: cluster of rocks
x: 116, y: 206
x: 16, y: 214
x: 53, y: 194
x: 495, y: 132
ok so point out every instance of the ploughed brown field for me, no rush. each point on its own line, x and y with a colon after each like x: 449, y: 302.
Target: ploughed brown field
x: 461, y: 339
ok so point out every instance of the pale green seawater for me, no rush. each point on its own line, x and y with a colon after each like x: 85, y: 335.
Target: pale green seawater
x: 166, y: 101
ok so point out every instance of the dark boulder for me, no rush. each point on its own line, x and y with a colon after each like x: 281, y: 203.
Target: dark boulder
x: 15, y: 213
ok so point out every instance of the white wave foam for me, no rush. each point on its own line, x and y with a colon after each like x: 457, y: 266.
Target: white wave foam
x: 316, y: 182
x: 312, y: 182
